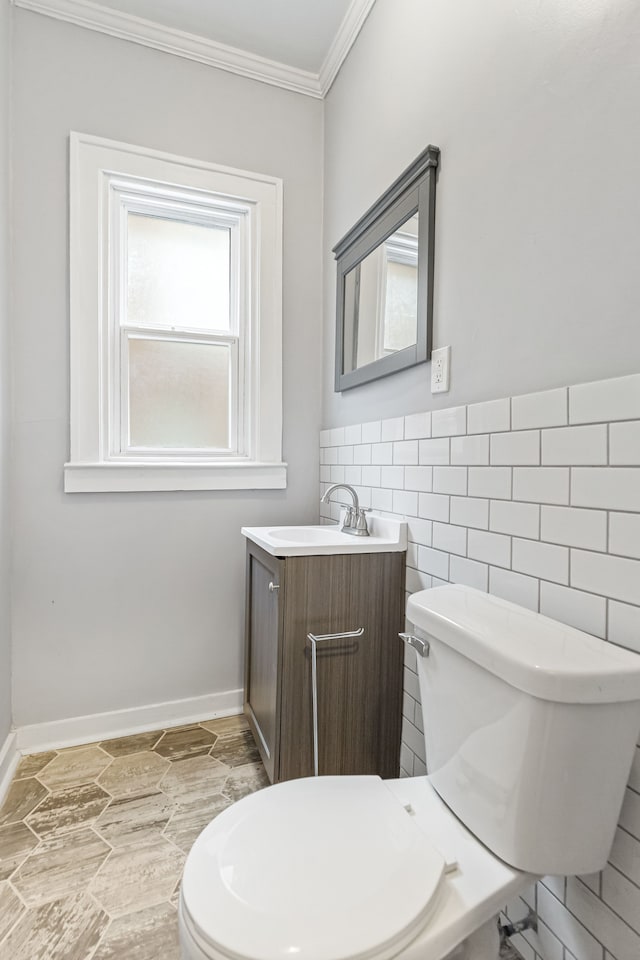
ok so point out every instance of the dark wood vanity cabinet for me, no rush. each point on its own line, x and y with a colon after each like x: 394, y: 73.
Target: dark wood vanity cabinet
x: 359, y: 680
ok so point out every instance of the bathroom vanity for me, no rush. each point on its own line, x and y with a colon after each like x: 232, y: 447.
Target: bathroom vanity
x: 313, y: 699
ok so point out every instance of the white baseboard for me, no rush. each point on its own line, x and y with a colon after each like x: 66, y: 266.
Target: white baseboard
x: 37, y: 737
x: 9, y: 757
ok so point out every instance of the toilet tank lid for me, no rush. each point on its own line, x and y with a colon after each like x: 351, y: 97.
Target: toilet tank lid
x: 538, y: 655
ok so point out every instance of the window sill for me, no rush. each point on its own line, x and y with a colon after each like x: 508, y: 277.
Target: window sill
x: 107, y: 477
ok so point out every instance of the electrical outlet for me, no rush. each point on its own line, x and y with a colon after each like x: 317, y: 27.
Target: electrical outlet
x: 440, y: 364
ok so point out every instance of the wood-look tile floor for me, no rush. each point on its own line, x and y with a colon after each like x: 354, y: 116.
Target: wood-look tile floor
x: 93, y: 839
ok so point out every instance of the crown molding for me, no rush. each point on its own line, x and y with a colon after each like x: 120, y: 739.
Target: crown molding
x: 115, y: 23
x: 125, y: 26
x: 345, y: 38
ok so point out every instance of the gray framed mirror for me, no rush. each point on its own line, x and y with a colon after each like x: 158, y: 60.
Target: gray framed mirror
x: 384, y: 310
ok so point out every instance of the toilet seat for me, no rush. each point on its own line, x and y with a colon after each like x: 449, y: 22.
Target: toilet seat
x: 350, y: 875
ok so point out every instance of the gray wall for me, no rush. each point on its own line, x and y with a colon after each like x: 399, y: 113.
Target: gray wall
x: 131, y: 599
x: 5, y: 426
x: 535, y: 107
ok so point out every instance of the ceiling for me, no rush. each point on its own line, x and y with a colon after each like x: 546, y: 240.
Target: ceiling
x: 298, y: 33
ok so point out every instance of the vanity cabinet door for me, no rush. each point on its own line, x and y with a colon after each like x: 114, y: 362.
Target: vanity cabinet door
x: 359, y: 680
x: 262, y: 664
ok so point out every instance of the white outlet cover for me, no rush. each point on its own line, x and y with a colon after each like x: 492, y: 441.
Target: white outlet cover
x: 440, y: 367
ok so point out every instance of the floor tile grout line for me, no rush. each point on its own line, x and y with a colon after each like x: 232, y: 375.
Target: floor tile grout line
x: 111, y: 849
x: 97, y: 903
x: 100, y: 940
x: 42, y: 769
x: 97, y: 874
x: 175, y: 845
x: 17, y: 892
x: 111, y: 759
x: 18, y: 919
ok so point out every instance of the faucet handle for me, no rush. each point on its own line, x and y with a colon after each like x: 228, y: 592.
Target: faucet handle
x: 361, y: 520
x: 349, y: 517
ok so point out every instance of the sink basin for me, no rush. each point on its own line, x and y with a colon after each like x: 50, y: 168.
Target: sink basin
x: 386, y: 534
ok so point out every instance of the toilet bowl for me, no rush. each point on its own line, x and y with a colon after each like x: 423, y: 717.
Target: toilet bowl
x: 356, y: 868
x: 341, y: 867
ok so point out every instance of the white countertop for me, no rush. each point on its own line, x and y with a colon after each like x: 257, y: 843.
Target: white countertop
x: 387, y: 535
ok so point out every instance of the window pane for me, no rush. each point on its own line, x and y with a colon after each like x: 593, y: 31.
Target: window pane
x: 178, y: 394
x: 178, y: 274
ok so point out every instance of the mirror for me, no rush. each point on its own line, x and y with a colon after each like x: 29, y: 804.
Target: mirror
x: 385, y: 280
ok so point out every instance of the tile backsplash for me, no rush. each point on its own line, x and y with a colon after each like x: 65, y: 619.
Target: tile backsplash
x: 535, y: 499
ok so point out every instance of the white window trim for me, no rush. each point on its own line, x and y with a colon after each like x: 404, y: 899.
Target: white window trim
x: 96, y: 163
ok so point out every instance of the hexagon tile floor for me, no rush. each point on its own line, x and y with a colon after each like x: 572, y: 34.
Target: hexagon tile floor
x: 93, y: 839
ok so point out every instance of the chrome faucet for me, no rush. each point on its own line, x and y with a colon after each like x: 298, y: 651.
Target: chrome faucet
x: 355, y: 519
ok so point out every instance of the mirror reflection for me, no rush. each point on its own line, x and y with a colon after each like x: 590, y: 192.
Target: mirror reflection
x: 381, y: 299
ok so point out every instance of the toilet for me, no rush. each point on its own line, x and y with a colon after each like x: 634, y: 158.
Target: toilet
x: 530, y: 730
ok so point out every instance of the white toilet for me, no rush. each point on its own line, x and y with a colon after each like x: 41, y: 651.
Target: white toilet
x: 530, y: 729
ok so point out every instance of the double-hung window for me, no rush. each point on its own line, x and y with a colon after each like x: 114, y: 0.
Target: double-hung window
x: 176, y: 323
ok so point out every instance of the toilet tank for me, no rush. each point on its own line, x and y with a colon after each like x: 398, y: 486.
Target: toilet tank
x: 530, y: 728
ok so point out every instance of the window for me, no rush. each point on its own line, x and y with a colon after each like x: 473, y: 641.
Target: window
x: 176, y: 327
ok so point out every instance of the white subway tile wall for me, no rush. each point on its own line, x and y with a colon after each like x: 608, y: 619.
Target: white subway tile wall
x: 624, y: 442
x: 466, y: 451
x: 537, y: 500
x: 492, y: 416
x: 624, y: 625
x: 574, y: 527
x: 541, y: 484
x: 605, y: 487
x: 546, y: 409
x: 470, y: 512
x: 434, y: 451
x: 575, y: 445
x: 605, y: 400
x: 624, y: 534
x: 417, y: 425
x: 521, y: 447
